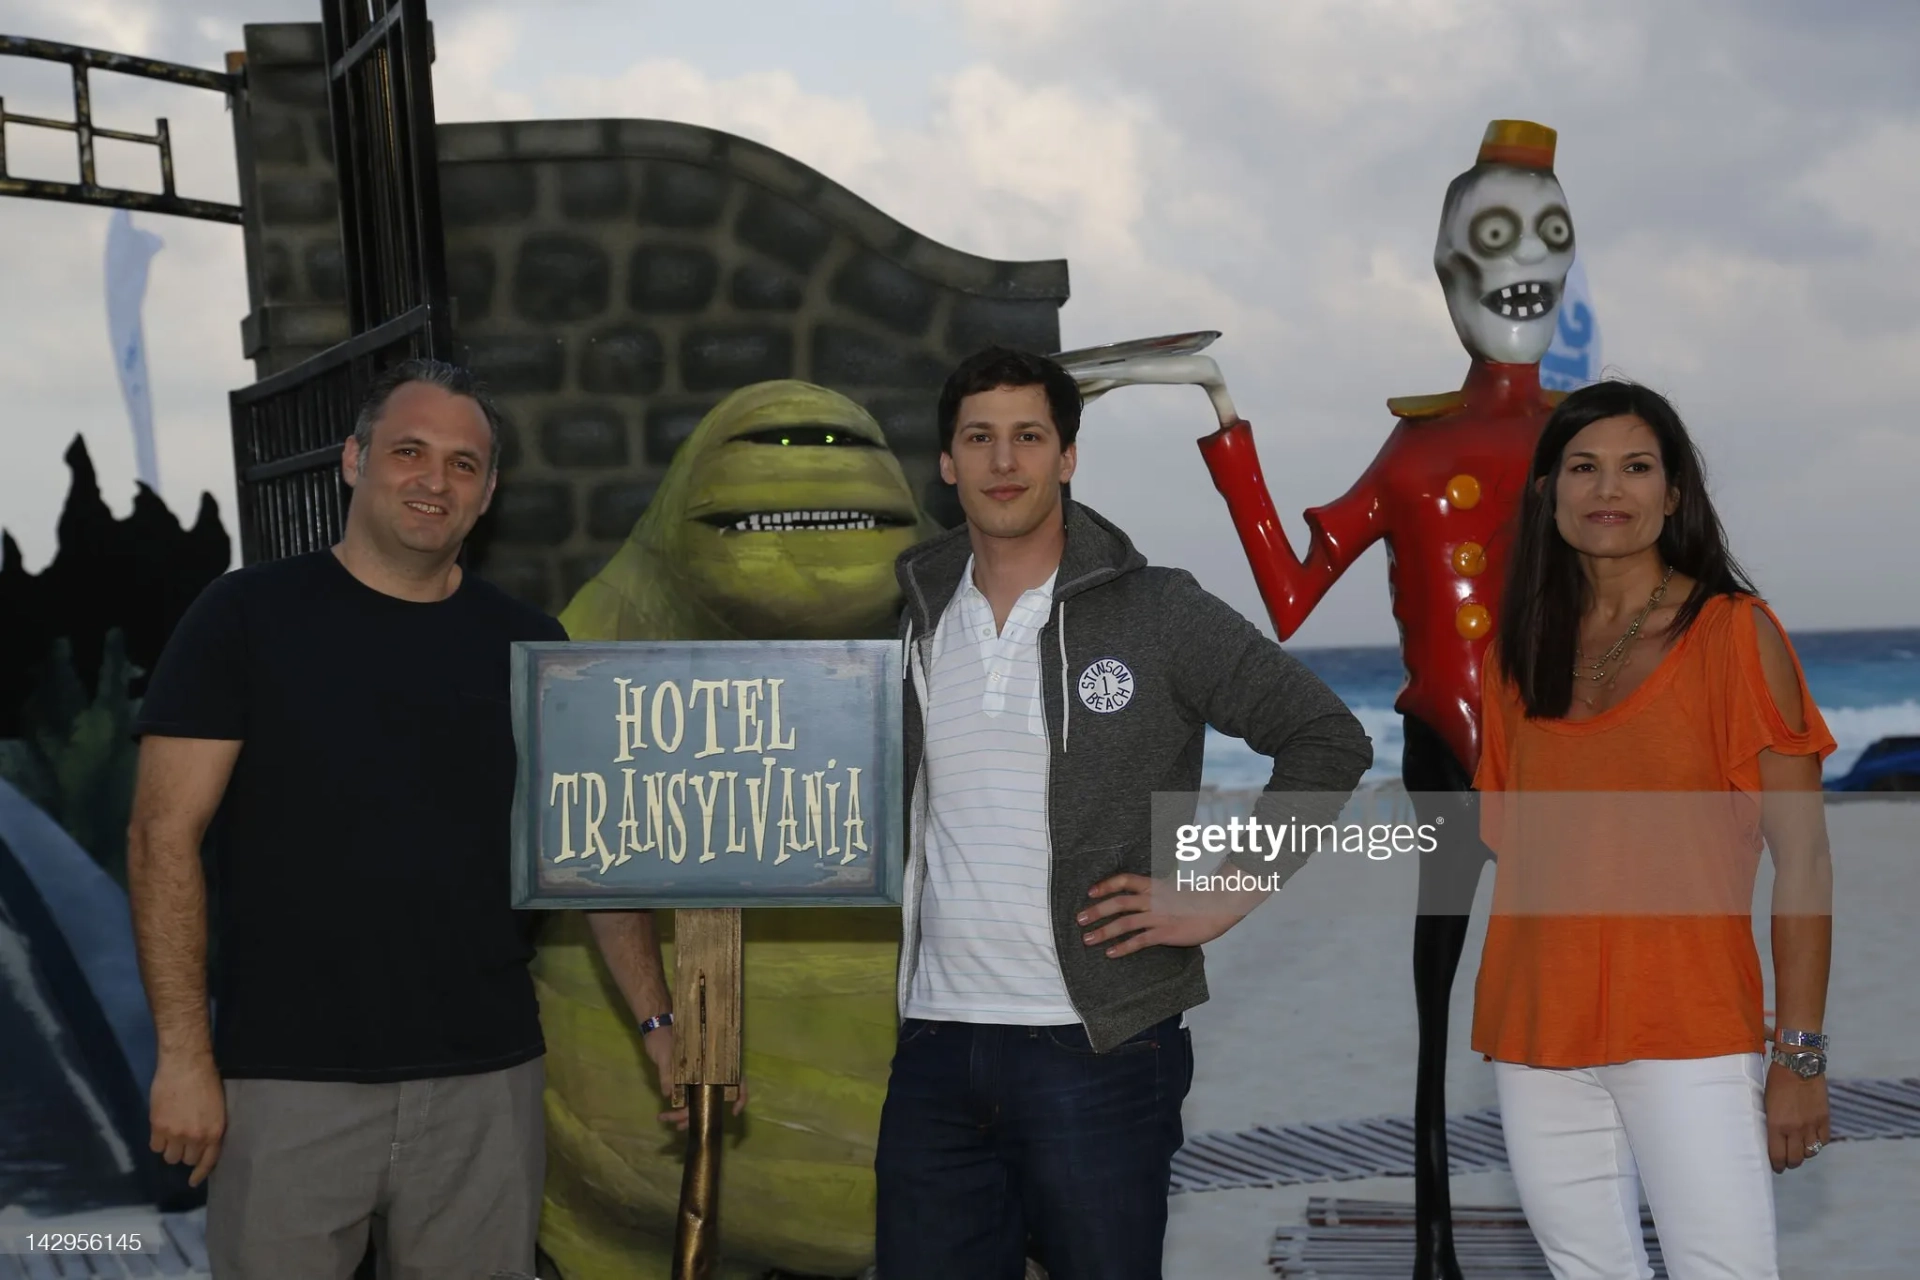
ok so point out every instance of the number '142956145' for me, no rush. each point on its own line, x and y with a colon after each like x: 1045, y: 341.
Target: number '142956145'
x: 83, y: 1242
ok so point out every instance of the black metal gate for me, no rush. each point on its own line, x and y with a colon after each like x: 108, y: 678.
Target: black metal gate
x: 288, y: 429
x: 84, y: 131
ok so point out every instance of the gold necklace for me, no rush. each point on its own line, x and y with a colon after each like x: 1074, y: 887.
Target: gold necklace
x: 1597, y: 671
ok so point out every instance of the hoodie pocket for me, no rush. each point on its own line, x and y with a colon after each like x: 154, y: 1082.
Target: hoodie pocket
x: 1103, y: 861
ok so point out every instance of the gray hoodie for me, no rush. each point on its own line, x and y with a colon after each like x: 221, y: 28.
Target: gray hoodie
x: 1189, y: 660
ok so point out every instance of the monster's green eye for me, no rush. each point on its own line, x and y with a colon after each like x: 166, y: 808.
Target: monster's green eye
x: 807, y: 435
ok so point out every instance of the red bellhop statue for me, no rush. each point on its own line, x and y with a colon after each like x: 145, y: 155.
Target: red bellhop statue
x: 1442, y: 493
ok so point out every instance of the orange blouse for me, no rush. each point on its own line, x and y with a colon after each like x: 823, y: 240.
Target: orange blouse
x: 1663, y: 964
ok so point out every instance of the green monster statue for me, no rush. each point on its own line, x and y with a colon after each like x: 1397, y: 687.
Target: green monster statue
x: 780, y: 518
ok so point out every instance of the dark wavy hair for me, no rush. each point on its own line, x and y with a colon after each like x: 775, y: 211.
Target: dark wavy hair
x: 1546, y: 591
x: 451, y: 378
x: 1006, y: 367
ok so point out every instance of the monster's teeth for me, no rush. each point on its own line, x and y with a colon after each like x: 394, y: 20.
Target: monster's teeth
x: 1506, y: 310
x: 1538, y: 307
x: 1506, y: 293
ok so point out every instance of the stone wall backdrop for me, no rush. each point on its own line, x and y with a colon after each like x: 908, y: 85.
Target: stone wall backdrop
x: 296, y: 277
x: 612, y: 280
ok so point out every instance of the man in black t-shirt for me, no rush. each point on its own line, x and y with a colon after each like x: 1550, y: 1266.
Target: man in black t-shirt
x: 337, y: 725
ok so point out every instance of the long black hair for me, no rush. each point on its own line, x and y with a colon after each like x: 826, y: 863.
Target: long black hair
x: 1546, y: 591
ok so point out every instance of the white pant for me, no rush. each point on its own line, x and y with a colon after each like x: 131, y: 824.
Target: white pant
x: 1693, y: 1132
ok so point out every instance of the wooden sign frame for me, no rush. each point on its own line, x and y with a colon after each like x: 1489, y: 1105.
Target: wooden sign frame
x: 815, y: 724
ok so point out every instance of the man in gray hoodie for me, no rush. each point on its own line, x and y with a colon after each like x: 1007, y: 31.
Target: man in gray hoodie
x: 1056, y: 681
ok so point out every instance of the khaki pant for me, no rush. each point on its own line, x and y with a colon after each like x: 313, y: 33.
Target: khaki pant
x: 443, y: 1175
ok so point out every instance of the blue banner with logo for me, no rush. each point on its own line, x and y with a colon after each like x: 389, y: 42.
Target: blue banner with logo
x: 1574, y: 359
x: 129, y: 251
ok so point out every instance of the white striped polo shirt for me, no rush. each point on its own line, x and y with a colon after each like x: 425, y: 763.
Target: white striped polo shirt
x: 986, y: 932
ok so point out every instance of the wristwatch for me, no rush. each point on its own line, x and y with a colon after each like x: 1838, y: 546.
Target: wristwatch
x: 1805, y: 1039
x: 656, y: 1022
x: 1805, y: 1063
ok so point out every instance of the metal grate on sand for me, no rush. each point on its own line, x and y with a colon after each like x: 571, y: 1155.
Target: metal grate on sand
x: 1369, y: 1239
x: 1274, y: 1156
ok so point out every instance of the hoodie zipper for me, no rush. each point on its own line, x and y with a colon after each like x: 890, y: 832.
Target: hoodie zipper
x: 910, y: 962
x: 1065, y: 986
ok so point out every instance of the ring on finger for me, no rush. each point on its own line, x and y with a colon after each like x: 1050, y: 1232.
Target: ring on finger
x: 1813, y: 1148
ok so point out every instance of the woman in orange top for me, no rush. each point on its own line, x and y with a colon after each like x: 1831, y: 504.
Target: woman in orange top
x: 1646, y: 725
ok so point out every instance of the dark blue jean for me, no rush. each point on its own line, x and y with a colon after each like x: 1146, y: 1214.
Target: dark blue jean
x: 1000, y: 1142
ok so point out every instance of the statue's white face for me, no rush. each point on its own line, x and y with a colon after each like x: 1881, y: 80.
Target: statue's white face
x: 1503, y: 254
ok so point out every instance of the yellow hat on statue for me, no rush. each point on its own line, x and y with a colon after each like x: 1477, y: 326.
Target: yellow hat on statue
x: 1518, y: 142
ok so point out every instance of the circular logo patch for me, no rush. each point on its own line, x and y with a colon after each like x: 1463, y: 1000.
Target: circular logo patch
x: 1107, y: 685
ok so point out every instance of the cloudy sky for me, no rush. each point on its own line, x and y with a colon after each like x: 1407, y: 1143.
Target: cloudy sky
x: 1744, y: 176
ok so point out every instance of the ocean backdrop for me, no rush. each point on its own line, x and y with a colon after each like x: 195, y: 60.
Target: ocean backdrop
x: 1866, y: 684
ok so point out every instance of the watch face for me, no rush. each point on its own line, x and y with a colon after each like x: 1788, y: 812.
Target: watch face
x: 1802, y: 1063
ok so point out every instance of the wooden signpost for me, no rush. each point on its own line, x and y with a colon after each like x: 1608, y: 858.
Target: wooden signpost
x: 706, y: 778
x: 706, y: 1071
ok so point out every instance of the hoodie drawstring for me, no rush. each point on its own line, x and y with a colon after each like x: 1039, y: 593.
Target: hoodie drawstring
x: 1066, y: 702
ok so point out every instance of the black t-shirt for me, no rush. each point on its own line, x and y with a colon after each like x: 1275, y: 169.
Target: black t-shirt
x: 365, y: 923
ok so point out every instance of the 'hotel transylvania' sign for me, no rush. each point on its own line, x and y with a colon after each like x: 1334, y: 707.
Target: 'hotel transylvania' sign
x: 689, y: 774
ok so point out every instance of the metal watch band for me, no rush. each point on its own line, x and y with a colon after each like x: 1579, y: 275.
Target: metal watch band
x: 1805, y: 1063
x: 657, y: 1021
x: 1804, y: 1039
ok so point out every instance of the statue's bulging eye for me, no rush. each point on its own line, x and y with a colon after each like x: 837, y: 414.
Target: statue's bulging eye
x: 1495, y: 231
x: 1555, y: 228
x: 807, y: 435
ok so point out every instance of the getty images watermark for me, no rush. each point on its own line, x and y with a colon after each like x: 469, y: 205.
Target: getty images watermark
x: 1590, y: 853
x: 1213, y: 844
x: 1293, y: 838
